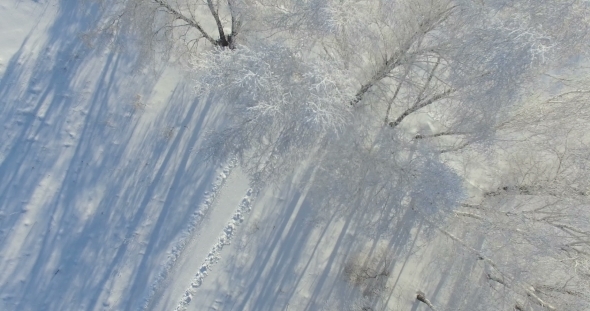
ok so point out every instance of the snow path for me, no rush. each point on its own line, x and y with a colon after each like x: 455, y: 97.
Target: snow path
x: 187, y: 240
x: 214, y: 255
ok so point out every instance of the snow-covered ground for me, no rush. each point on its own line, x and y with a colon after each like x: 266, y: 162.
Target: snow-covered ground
x: 105, y: 203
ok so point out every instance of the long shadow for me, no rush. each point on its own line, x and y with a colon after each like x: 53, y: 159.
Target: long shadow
x: 282, y: 261
x: 161, y: 230
x: 284, y: 272
x: 320, y: 285
x: 67, y: 191
x: 33, y: 114
x: 464, y: 286
x: 77, y: 167
x: 25, y: 118
x: 284, y: 255
x: 50, y: 117
x: 266, y: 255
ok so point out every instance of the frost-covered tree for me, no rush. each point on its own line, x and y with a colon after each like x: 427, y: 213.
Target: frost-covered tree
x: 530, y: 219
x: 180, y: 27
x: 378, y: 89
x: 381, y: 95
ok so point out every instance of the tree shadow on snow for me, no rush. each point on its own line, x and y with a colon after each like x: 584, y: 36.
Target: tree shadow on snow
x: 296, y: 262
x: 93, y: 193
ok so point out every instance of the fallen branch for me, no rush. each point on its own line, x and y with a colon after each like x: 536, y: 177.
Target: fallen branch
x: 420, y: 296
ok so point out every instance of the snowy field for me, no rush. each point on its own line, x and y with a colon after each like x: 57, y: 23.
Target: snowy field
x: 105, y: 203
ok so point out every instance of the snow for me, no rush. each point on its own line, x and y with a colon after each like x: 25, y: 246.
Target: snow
x: 17, y: 25
x: 98, y: 164
x: 105, y: 203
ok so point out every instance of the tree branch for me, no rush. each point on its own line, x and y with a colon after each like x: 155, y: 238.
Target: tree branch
x: 395, y: 94
x: 450, y: 133
x: 420, y: 105
x: 189, y: 21
x: 456, y: 148
x: 420, y: 296
x: 465, y: 214
x: 399, y: 56
x: 391, y: 63
x: 429, y: 79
